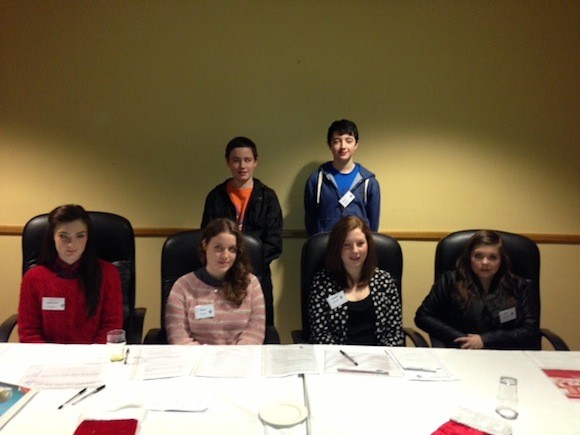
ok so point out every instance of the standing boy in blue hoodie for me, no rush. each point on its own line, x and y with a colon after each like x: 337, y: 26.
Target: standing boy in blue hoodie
x: 341, y: 187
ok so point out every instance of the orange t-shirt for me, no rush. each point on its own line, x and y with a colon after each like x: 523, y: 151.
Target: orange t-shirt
x: 240, y: 198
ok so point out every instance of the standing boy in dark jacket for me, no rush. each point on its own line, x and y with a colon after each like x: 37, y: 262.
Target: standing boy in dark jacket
x: 252, y: 205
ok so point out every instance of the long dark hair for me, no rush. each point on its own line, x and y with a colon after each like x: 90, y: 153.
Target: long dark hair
x: 90, y: 274
x: 235, y: 285
x: 467, y: 281
x: 334, y: 263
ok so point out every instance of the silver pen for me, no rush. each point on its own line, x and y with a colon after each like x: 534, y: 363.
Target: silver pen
x: 372, y: 372
x: 419, y: 369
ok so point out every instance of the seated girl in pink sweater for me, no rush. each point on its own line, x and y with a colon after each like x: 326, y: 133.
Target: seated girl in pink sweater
x: 221, y: 303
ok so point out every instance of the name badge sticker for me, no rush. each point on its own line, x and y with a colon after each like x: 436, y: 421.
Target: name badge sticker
x: 204, y: 311
x: 53, y: 304
x: 346, y: 199
x: 336, y: 300
x: 507, y: 315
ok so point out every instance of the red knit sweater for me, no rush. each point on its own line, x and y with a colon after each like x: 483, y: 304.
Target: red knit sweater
x: 71, y: 325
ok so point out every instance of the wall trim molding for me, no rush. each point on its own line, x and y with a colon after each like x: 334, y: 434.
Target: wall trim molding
x: 416, y: 236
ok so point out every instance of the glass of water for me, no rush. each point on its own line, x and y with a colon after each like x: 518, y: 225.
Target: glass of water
x: 116, y: 341
x: 507, y: 398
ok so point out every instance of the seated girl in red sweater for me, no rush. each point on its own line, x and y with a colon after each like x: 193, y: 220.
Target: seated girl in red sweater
x: 71, y: 296
x: 221, y: 303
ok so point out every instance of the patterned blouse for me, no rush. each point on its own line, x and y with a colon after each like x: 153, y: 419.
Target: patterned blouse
x: 330, y: 326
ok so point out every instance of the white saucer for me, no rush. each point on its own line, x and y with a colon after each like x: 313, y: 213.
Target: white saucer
x: 284, y: 414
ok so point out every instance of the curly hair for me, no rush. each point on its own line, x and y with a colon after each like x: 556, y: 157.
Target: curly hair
x: 466, y: 277
x: 235, y: 284
x: 334, y: 263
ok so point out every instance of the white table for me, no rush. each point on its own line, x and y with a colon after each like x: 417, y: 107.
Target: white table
x: 339, y: 403
x: 376, y: 404
x: 234, y: 403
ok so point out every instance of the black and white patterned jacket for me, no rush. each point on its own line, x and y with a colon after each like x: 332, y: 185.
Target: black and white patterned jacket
x: 330, y: 326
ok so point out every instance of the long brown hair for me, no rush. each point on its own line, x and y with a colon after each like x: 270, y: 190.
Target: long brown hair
x: 235, y: 284
x: 334, y: 263
x: 467, y: 280
x: 90, y: 274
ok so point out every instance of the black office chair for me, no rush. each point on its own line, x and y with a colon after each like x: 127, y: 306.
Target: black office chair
x: 179, y: 257
x: 525, y: 258
x: 389, y: 258
x: 115, y: 243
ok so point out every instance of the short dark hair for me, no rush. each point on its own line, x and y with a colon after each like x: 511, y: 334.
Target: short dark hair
x: 241, y: 142
x: 90, y: 274
x: 336, y: 239
x: 343, y: 126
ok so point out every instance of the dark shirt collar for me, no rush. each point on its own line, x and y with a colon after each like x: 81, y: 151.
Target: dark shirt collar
x: 66, y: 271
x: 204, y: 275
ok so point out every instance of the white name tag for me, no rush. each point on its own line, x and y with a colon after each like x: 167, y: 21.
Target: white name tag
x: 346, y: 199
x: 53, y: 304
x: 204, y: 311
x: 507, y: 315
x: 336, y: 300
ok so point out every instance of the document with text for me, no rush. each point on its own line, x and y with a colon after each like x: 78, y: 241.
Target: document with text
x: 421, y: 366
x: 288, y: 360
x: 62, y: 376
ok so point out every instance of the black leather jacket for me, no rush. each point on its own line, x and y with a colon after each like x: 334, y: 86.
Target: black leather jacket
x: 443, y: 318
x: 263, y: 217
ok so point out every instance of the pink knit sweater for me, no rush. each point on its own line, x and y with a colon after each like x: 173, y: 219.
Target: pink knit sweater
x: 230, y: 325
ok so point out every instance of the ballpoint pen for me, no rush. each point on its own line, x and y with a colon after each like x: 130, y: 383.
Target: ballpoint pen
x: 372, y: 372
x: 95, y: 391
x: 73, y: 398
x: 348, y: 357
x: 419, y: 369
x: 126, y: 356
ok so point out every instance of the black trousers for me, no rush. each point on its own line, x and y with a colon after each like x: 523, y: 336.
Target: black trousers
x: 266, y: 282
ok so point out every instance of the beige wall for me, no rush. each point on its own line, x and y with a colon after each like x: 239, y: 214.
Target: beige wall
x: 468, y: 114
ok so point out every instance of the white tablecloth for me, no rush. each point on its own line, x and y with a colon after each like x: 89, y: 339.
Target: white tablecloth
x: 339, y: 403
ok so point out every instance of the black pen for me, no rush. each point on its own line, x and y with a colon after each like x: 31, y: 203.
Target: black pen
x: 126, y: 356
x: 95, y: 391
x: 73, y: 398
x: 348, y: 357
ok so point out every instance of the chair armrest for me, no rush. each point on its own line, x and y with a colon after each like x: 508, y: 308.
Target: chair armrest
x: 554, y: 339
x: 417, y: 339
x: 272, y: 335
x: 7, y: 326
x: 135, y: 326
x: 435, y: 342
x: 298, y: 336
x: 156, y: 336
